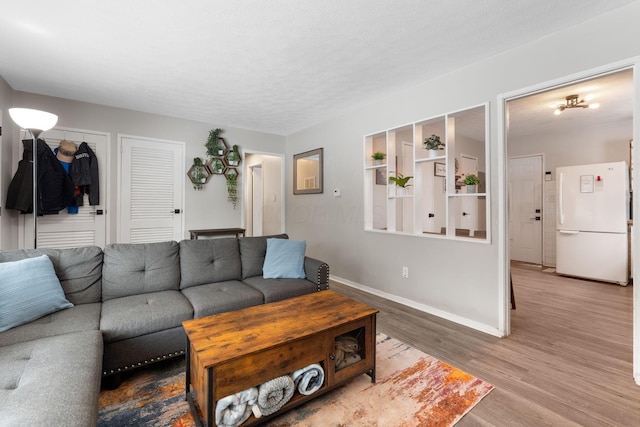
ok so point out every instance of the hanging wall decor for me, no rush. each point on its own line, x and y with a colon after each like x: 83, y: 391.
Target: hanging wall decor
x: 198, y: 173
x: 222, y: 161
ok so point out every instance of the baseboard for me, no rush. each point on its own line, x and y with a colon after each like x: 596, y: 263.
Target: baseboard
x: 422, y: 307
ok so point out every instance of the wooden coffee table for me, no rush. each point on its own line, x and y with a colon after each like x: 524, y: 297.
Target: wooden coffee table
x: 230, y: 352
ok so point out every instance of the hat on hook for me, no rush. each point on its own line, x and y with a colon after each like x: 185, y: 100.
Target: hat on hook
x: 66, y: 150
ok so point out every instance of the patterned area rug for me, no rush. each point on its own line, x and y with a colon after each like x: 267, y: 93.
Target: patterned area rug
x: 411, y: 389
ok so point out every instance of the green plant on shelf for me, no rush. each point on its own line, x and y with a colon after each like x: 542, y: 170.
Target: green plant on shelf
x: 215, y: 147
x: 378, y: 155
x: 234, y: 156
x: 433, y: 143
x: 400, y: 180
x: 471, y: 179
x: 198, y: 173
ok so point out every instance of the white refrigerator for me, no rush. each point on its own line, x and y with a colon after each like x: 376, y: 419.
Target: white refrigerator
x: 591, y: 221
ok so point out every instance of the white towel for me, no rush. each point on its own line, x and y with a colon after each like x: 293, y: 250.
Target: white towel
x: 231, y: 411
x: 274, y: 394
x: 308, y: 379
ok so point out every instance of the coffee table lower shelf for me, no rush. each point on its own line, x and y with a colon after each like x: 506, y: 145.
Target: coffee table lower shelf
x: 219, y: 364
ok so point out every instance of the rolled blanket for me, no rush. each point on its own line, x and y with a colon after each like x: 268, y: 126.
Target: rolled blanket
x: 309, y: 379
x: 233, y: 410
x: 274, y: 394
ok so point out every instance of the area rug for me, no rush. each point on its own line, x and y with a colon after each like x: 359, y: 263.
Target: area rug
x: 411, y: 389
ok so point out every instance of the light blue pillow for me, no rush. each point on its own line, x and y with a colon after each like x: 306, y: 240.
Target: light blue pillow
x: 29, y: 289
x: 284, y: 259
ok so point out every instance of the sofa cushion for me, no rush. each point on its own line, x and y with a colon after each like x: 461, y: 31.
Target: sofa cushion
x: 137, y: 315
x: 82, y: 317
x: 133, y: 269
x: 252, y: 252
x: 209, y: 261
x: 51, y: 381
x: 220, y: 297
x: 79, y: 270
x: 284, y: 259
x: 29, y: 289
x: 279, y: 289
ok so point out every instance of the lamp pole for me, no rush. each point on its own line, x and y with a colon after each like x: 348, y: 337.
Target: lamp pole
x: 36, y: 122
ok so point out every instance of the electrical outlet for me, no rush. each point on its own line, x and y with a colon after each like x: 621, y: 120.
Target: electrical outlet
x: 405, y: 272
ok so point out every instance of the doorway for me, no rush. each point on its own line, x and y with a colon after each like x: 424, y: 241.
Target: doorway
x: 531, y: 127
x: 264, y: 194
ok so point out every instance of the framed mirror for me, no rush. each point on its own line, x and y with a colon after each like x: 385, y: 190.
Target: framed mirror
x: 307, y: 172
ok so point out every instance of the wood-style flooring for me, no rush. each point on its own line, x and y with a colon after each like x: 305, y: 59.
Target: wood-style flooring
x: 567, y: 362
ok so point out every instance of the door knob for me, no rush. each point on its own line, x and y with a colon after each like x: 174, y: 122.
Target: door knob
x: 431, y: 215
x: 465, y: 214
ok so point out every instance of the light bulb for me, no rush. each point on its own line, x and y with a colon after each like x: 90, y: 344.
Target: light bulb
x: 596, y: 105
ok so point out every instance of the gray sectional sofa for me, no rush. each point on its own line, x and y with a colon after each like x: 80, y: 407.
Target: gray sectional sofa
x: 129, y: 303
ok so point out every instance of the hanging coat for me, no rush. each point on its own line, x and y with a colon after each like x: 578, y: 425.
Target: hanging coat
x: 55, y: 189
x: 85, y: 175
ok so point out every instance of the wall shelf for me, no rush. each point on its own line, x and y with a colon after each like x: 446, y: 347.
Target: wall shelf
x: 432, y: 208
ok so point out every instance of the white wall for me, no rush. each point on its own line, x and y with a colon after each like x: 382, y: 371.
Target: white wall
x: 207, y: 208
x: 599, y: 144
x: 460, y: 280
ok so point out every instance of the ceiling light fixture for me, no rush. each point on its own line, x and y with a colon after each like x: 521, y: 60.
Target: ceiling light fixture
x: 573, y: 101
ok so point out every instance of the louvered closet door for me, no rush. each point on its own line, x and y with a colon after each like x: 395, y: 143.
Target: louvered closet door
x: 151, y: 190
x: 88, y: 226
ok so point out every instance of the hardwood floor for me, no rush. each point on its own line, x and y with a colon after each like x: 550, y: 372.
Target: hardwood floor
x: 567, y: 362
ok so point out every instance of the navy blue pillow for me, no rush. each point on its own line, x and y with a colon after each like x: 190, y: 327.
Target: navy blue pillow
x: 284, y: 259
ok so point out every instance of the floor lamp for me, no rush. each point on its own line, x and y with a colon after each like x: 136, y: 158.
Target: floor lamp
x: 36, y: 122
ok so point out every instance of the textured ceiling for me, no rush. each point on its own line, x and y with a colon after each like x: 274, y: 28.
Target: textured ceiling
x: 276, y: 66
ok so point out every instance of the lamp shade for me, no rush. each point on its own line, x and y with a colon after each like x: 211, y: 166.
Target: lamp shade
x: 30, y: 119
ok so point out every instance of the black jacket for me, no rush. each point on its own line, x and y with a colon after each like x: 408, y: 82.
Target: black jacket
x: 85, y: 175
x: 55, y: 190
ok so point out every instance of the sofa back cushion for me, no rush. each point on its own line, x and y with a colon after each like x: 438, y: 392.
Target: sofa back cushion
x: 138, y: 268
x: 209, y: 261
x: 252, y: 252
x: 78, y: 269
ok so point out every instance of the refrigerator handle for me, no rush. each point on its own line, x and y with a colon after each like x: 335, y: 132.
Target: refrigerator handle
x: 568, y: 232
x: 560, y: 204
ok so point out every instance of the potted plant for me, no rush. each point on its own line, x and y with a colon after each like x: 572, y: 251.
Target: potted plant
x: 232, y: 189
x: 217, y: 166
x: 401, y: 182
x: 215, y: 147
x: 234, y: 156
x: 433, y: 144
x: 378, y: 157
x: 471, y: 181
x: 198, y: 174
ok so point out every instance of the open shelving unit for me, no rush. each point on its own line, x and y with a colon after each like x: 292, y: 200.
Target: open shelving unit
x: 437, y: 203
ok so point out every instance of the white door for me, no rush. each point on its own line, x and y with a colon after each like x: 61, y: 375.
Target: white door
x: 151, y: 182
x: 256, y: 200
x: 525, y: 209
x: 88, y: 226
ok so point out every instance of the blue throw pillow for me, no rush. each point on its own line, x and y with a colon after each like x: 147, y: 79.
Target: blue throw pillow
x: 29, y: 289
x: 284, y: 259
